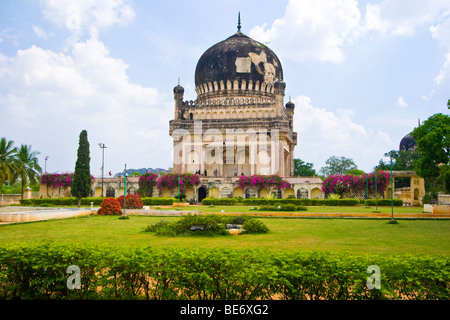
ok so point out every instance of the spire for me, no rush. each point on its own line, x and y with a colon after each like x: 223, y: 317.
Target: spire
x: 239, y: 22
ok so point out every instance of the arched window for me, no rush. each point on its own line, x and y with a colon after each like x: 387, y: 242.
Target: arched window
x: 110, y: 192
x: 302, y: 193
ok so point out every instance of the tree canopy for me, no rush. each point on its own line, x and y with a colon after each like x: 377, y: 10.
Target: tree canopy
x: 433, y: 145
x: 337, y: 165
x: 18, y: 164
x: 81, y: 185
x: 303, y: 169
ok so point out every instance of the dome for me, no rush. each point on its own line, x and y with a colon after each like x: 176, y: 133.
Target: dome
x: 238, y: 58
x: 408, y: 143
x: 178, y: 89
x: 290, y: 105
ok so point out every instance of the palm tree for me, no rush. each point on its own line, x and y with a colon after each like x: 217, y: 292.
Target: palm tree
x: 7, y: 160
x: 27, y: 165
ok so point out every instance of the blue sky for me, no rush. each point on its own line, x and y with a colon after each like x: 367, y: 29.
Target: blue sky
x: 361, y: 73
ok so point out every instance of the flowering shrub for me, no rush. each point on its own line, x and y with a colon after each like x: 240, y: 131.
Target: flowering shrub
x: 170, y: 181
x: 58, y: 180
x: 260, y: 181
x: 339, y: 184
x: 132, y: 201
x: 146, y: 183
x: 109, y: 206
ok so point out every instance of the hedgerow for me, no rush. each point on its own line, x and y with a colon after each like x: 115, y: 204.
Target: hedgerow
x: 67, y: 201
x: 39, y: 271
x: 276, y: 202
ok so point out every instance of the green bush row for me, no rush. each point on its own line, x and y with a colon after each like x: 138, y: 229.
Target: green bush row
x: 39, y: 271
x: 211, y: 223
x: 63, y: 201
x: 297, y: 202
x: 283, y: 207
x: 383, y: 202
x: 276, y: 202
x: 67, y: 201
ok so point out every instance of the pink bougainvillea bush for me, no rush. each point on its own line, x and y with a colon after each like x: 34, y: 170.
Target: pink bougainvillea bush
x: 259, y: 182
x: 58, y: 180
x: 170, y: 181
x: 340, y: 184
x: 146, y: 183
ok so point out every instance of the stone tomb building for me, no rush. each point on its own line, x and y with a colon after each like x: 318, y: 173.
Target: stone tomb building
x: 239, y: 123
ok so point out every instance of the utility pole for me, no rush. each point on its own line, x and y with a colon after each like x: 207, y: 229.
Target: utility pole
x: 102, y: 146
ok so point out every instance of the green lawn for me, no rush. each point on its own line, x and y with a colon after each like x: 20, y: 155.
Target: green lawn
x: 359, y: 236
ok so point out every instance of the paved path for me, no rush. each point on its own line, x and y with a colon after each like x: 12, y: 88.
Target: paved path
x: 16, y: 214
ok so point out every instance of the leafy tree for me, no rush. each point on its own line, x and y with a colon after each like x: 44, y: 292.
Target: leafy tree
x: 433, y: 144
x: 303, y: 169
x: 355, y: 172
x: 27, y: 165
x: 81, y: 185
x: 7, y: 160
x: 338, y: 165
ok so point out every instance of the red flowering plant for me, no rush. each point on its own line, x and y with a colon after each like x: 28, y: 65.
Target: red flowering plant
x: 170, y: 181
x: 110, y: 206
x: 340, y: 184
x: 132, y: 201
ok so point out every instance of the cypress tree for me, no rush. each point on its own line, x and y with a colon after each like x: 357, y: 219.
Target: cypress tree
x: 81, y: 185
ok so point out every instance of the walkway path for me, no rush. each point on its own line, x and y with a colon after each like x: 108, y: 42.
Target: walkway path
x: 26, y: 214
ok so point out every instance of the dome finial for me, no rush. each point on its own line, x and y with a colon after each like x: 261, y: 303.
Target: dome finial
x: 239, y: 22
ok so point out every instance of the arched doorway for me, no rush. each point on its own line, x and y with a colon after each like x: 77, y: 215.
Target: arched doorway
x: 201, y: 194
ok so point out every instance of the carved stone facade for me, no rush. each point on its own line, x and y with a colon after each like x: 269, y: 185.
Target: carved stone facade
x: 238, y: 124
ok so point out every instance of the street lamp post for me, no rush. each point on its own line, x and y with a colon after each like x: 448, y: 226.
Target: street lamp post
x: 392, y: 191
x: 124, y: 188
x: 102, y: 146
x: 46, y: 158
x: 212, y: 191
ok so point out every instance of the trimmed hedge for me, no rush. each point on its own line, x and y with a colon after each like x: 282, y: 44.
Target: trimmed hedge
x: 39, y: 271
x: 297, y: 202
x: 276, y: 202
x: 63, y: 201
x: 158, y: 201
x: 283, y: 207
x: 384, y: 202
x: 67, y: 201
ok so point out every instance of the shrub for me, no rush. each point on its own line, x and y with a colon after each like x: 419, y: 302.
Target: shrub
x: 132, y: 201
x: 37, y: 271
x: 158, y: 201
x: 273, y: 202
x: 383, y: 202
x: 110, y: 206
x: 283, y: 207
x: 254, y: 226
x: 212, y: 224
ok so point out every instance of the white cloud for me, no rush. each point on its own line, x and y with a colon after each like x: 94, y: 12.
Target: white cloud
x: 58, y: 95
x: 322, y: 134
x: 441, y: 32
x: 40, y: 32
x: 87, y: 15
x: 312, y: 29
x: 401, y: 102
x: 403, y: 17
